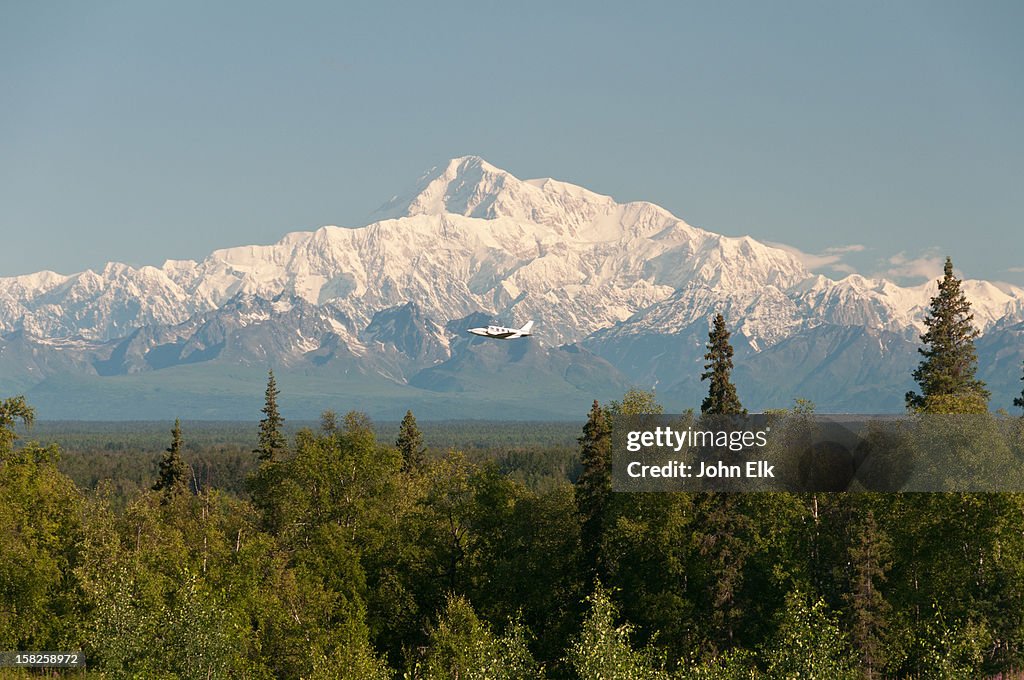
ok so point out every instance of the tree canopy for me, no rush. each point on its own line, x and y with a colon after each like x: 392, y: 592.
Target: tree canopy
x: 722, y: 398
x: 946, y: 374
x: 272, y: 441
x: 173, y: 476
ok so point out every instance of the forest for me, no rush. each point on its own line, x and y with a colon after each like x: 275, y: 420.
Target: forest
x: 330, y: 552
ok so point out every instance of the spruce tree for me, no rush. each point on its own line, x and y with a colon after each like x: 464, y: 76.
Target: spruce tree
x: 724, y: 533
x: 722, y: 398
x: 594, y: 486
x: 946, y: 374
x: 869, y: 562
x: 272, y: 442
x: 410, y: 444
x: 1020, y: 400
x: 725, y: 542
x: 173, y: 470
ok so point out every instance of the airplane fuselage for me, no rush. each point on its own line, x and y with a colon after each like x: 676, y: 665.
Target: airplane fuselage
x: 502, y: 333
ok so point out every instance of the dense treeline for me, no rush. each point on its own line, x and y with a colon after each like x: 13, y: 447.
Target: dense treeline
x: 335, y: 554
x: 342, y: 561
x: 227, y: 466
x: 338, y: 546
x: 151, y: 437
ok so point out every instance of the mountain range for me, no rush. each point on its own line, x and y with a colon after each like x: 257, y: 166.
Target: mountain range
x: 374, y: 317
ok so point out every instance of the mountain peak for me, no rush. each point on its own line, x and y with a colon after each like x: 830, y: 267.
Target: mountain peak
x: 461, y: 186
x: 472, y: 187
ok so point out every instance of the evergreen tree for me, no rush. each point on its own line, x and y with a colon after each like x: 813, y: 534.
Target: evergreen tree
x: 173, y: 470
x: 722, y: 541
x: 722, y: 398
x: 1020, y: 400
x: 725, y: 538
x: 594, y: 486
x: 869, y: 564
x: 946, y: 374
x: 272, y: 442
x: 410, y: 443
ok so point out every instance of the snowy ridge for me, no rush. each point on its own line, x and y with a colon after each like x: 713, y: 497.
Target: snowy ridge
x: 471, y: 237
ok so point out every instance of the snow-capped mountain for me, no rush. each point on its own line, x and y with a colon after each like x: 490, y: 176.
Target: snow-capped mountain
x: 470, y: 239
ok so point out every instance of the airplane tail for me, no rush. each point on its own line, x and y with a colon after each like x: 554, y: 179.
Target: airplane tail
x: 525, y: 330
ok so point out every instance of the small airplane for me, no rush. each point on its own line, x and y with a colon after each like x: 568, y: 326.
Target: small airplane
x: 502, y: 333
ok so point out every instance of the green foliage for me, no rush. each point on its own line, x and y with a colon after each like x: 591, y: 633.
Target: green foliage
x: 173, y: 477
x: 462, y: 647
x: 808, y: 643
x: 524, y: 549
x: 950, y: 360
x: 447, y: 512
x: 137, y: 632
x: 731, y: 665
x: 410, y: 444
x: 961, y: 553
x: 355, y: 662
x: 953, y: 450
x: 650, y: 554
x: 722, y: 398
x: 594, y: 486
x: 272, y: 443
x: 724, y: 537
x: 869, y: 550
x: 40, y: 526
x: 636, y: 402
x: 953, y: 404
x: 329, y: 422
x: 949, y: 651
x: 603, y: 650
x: 469, y: 529
x: 12, y: 410
x: 803, y: 406
x: 341, y: 565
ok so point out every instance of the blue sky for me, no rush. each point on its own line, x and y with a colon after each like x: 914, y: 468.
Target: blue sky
x: 876, y: 136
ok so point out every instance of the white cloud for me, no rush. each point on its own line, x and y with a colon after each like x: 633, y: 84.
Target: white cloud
x: 927, y: 266
x: 1016, y: 270
x: 844, y: 268
x: 830, y: 258
x: 842, y: 250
